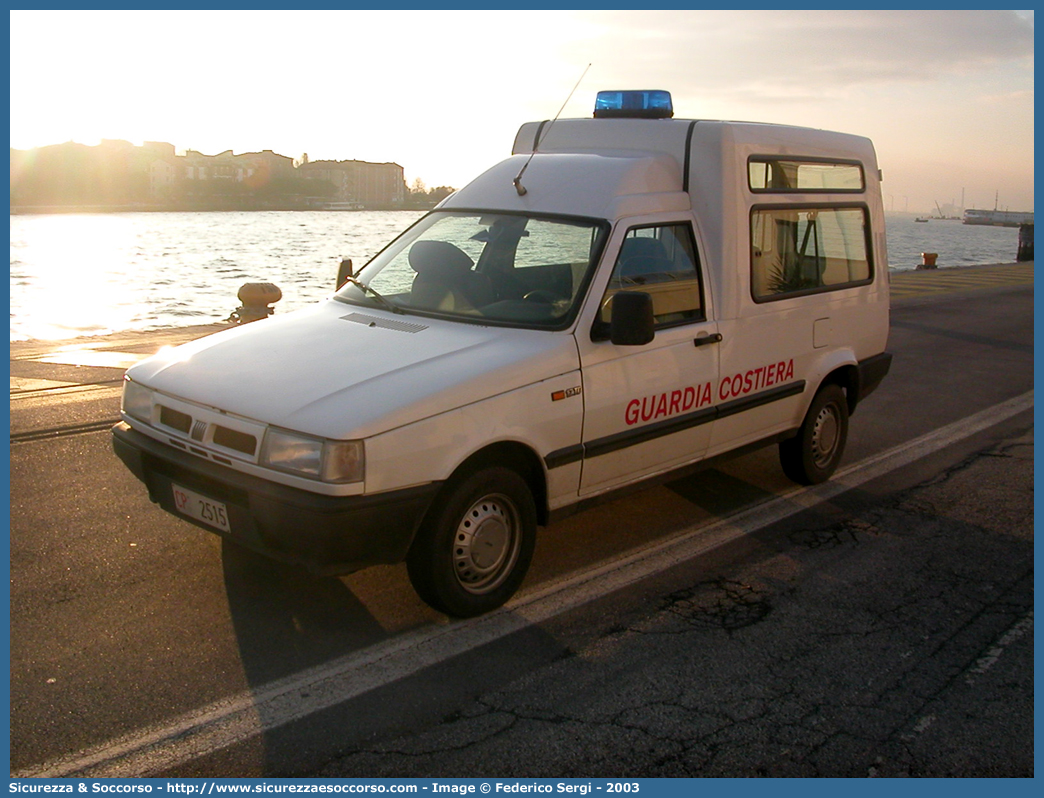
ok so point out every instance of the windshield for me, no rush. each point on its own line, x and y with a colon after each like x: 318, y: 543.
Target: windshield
x: 505, y: 268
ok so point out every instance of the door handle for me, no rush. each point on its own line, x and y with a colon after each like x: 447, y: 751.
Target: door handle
x: 708, y: 339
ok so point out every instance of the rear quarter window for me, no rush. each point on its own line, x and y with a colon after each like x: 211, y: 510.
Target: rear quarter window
x: 801, y: 250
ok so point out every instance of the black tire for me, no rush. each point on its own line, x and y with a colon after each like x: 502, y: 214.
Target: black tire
x: 475, y: 545
x: 812, y: 455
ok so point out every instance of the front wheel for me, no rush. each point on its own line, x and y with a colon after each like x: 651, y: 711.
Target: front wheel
x: 474, y: 548
x: 812, y: 455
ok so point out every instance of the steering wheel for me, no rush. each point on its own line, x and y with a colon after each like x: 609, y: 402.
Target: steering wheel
x: 541, y: 295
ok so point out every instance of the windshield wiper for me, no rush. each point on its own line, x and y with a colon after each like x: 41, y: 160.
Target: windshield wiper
x: 381, y: 300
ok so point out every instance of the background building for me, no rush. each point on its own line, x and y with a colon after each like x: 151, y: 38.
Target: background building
x: 116, y: 174
x: 371, y: 185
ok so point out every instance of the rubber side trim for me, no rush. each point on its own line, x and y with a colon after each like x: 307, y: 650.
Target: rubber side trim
x: 628, y: 438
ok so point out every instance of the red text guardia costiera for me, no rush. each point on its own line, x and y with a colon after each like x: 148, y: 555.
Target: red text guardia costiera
x: 693, y: 397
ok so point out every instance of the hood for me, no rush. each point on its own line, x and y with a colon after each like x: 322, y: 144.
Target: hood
x: 343, y: 371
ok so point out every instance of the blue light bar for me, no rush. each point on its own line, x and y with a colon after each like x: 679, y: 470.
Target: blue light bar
x: 651, y: 104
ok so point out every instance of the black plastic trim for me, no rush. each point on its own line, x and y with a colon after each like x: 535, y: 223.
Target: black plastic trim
x: 760, y: 398
x: 688, y: 155
x: 682, y: 472
x: 536, y: 137
x: 871, y: 372
x: 623, y: 440
x: 563, y: 457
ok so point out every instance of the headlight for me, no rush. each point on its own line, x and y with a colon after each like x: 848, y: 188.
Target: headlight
x: 137, y: 401
x: 329, y: 461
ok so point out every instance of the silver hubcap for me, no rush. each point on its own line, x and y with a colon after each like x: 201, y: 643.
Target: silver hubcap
x: 486, y: 544
x: 824, y: 435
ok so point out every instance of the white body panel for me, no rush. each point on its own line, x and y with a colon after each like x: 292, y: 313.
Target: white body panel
x: 525, y: 415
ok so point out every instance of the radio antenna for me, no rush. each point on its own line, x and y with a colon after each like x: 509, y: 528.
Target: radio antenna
x: 517, y: 182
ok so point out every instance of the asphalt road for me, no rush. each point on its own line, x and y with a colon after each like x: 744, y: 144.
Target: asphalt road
x: 882, y: 630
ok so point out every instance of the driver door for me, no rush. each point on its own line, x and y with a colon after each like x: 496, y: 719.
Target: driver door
x: 648, y: 408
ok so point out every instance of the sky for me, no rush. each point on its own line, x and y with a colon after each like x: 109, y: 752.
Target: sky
x: 946, y: 96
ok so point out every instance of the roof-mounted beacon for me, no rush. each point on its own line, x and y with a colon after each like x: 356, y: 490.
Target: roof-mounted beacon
x: 647, y: 104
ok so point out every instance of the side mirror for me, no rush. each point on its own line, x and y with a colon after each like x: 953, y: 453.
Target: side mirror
x: 632, y: 321
x: 344, y: 271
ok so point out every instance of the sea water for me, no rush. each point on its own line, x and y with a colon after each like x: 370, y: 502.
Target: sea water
x: 91, y: 274
x: 955, y: 243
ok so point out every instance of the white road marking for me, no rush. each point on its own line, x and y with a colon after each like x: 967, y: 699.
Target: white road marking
x: 924, y: 723
x: 240, y: 717
x: 93, y: 357
x: 989, y: 659
x: 25, y: 384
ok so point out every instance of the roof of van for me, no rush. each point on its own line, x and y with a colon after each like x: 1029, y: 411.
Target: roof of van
x: 609, y: 168
x: 669, y: 136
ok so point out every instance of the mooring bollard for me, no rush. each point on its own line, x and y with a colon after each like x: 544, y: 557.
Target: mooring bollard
x: 256, y: 298
x: 928, y: 260
x: 1025, y: 242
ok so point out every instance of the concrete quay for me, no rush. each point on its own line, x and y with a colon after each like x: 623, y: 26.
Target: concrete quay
x: 880, y: 625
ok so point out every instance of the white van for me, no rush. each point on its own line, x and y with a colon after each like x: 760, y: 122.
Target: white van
x: 624, y: 296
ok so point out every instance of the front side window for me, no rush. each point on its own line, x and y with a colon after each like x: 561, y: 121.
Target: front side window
x: 805, y: 250
x: 662, y: 262
x: 504, y: 268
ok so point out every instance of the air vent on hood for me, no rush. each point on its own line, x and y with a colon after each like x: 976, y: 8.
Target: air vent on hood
x: 387, y: 324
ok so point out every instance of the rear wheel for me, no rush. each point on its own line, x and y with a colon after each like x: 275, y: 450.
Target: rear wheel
x: 474, y: 548
x: 812, y: 455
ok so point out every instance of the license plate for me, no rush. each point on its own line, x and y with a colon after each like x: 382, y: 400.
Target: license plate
x: 201, y: 508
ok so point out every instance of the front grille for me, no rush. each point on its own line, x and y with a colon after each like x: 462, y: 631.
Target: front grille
x: 175, y: 419
x: 233, y: 439
x: 195, y: 424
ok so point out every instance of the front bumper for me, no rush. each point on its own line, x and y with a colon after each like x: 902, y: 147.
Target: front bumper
x: 327, y: 534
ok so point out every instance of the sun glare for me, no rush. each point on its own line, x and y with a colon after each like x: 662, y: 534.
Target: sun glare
x: 72, y: 274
